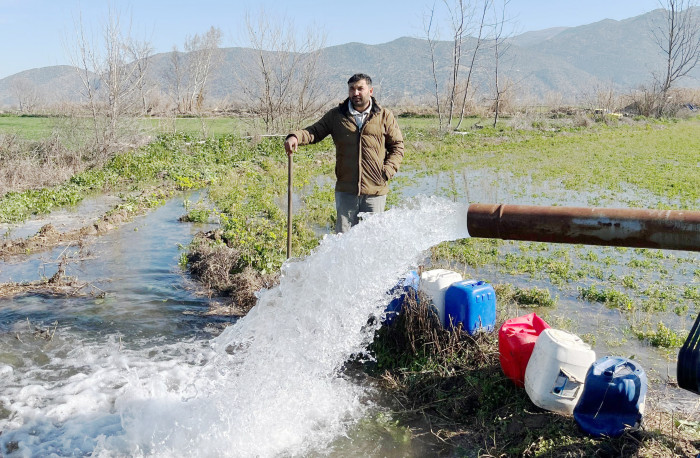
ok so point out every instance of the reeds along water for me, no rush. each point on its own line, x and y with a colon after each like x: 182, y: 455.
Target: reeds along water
x: 270, y: 384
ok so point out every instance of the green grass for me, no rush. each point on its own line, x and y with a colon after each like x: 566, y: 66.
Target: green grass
x: 39, y: 127
x: 28, y: 127
x: 176, y: 159
x: 653, y: 155
x: 197, y: 126
x: 657, y: 156
x: 662, y: 337
x: 525, y: 297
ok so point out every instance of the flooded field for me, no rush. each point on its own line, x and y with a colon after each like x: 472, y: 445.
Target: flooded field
x: 131, y: 365
x: 659, y: 286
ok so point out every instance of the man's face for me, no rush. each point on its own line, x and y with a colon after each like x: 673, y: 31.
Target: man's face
x: 360, y: 93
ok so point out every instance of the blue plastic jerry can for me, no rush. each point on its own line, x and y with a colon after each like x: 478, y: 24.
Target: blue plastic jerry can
x: 471, y: 303
x: 613, y: 397
x: 400, y: 292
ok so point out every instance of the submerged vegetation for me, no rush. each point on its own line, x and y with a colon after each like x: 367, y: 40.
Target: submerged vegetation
x: 526, y: 297
x: 452, y: 380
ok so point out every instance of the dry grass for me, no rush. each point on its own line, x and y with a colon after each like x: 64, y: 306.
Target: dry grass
x: 59, y: 285
x: 218, y: 269
x: 36, y: 160
x: 210, y: 261
x: 28, y: 164
x: 417, y: 331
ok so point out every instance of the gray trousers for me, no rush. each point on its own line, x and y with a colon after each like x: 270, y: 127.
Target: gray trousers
x: 349, y: 205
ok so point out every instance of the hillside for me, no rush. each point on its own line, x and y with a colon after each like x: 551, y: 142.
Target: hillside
x: 623, y: 52
x: 570, y: 61
x: 52, y: 84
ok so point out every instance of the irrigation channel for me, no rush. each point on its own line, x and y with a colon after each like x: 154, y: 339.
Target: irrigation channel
x: 137, y: 370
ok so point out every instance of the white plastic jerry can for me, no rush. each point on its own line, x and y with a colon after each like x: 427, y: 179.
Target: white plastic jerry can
x: 557, y: 369
x: 434, y: 283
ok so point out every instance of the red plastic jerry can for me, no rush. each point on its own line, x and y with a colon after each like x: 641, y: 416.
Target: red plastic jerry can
x: 516, y: 339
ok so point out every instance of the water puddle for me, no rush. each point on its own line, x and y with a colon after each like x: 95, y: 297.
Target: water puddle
x: 131, y: 374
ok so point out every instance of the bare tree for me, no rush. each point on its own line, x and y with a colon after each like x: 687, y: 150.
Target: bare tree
x: 463, y: 24
x: 432, y: 37
x: 203, y: 56
x: 26, y: 93
x: 176, y: 79
x: 602, y: 98
x: 191, y: 70
x: 286, y: 88
x: 645, y: 99
x: 479, y: 40
x: 84, y: 60
x: 500, y: 46
x: 140, y: 53
x: 679, y: 41
x: 112, y: 74
x: 554, y: 100
x: 458, y: 19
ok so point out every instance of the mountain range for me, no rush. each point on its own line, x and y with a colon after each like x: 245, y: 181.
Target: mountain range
x: 571, y: 62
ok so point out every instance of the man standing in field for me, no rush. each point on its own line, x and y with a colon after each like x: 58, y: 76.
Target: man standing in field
x: 368, y: 150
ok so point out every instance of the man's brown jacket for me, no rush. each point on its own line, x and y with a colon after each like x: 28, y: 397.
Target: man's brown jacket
x: 366, y: 159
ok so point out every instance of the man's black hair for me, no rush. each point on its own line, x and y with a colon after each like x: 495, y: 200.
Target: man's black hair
x: 360, y: 76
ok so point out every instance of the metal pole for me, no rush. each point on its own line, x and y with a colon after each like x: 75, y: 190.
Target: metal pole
x: 289, y: 205
x: 630, y: 227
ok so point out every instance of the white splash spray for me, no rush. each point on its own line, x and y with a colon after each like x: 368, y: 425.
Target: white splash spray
x: 269, y: 385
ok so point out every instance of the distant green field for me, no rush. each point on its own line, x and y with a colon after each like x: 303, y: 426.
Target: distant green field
x: 198, y: 126
x: 29, y: 127
x: 38, y: 127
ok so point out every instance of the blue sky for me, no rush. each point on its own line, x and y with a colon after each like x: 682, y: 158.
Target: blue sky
x: 36, y: 33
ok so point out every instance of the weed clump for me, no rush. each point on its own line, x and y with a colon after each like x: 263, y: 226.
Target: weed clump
x: 210, y: 261
x: 58, y: 285
x: 245, y: 285
x: 610, y: 297
x: 662, y: 337
x: 219, y: 269
x: 525, y: 297
x: 448, y: 377
x: 416, y: 334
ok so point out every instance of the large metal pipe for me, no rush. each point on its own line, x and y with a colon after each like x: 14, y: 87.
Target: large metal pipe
x: 629, y: 227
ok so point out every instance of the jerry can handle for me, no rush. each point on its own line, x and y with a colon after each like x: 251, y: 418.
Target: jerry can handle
x: 611, y: 371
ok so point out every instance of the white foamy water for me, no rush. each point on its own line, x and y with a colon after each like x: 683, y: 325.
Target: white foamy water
x: 272, y: 384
